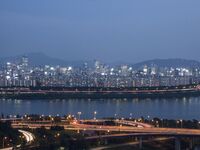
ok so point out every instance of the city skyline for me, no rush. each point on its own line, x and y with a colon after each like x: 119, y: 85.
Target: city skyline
x: 20, y: 73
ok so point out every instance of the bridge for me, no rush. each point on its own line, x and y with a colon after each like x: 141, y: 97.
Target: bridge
x: 140, y: 131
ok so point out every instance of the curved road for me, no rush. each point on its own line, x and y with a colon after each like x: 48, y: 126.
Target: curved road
x: 28, y: 136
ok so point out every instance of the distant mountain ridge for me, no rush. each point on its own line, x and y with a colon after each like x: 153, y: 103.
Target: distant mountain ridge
x: 173, y: 62
x: 40, y: 59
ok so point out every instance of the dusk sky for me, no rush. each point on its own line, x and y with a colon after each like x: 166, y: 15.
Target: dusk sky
x: 109, y: 30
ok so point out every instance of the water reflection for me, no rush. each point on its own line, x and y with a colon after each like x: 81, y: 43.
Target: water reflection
x: 183, y: 108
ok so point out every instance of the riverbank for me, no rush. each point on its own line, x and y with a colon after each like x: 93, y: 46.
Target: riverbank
x: 98, y: 92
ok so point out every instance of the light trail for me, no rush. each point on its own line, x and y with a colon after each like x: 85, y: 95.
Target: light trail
x: 28, y: 136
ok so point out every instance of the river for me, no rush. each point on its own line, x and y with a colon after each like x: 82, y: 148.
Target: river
x: 180, y: 108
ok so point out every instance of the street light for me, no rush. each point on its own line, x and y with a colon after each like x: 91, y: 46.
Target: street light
x: 131, y: 116
x: 181, y: 123
x: 115, y: 115
x: 58, y: 134
x: 148, y: 117
x: 4, y: 138
x: 95, y: 113
x: 157, y: 124
x: 177, y: 123
x: 79, y: 115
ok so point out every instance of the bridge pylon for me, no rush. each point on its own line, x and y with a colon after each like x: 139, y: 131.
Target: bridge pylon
x: 140, y: 142
x: 177, y: 144
x: 191, y: 143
